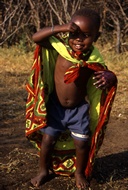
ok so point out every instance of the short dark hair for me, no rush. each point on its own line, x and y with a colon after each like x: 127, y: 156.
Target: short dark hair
x: 92, y: 14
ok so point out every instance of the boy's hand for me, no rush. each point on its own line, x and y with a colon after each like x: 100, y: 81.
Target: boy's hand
x: 105, y: 79
x: 71, y: 27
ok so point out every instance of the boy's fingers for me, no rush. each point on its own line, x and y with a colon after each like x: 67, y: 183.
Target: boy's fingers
x: 98, y: 76
x: 100, y: 83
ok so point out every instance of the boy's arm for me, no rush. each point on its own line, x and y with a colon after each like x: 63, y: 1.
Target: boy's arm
x: 41, y: 37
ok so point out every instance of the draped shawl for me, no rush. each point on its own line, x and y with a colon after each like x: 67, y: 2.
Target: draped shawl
x: 39, y: 87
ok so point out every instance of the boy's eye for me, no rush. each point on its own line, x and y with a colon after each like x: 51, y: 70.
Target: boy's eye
x: 77, y: 33
x: 73, y: 33
x: 86, y: 35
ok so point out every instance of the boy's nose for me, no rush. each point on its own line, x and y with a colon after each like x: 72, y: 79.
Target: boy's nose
x: 80, y: 37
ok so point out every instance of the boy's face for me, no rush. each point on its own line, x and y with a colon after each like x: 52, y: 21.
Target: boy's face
x: 84, y: 36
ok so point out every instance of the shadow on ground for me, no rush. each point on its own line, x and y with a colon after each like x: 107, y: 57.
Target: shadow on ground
x: 111, y: 167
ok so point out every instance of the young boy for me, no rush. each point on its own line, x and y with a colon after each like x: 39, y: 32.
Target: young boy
x: 67, y: 107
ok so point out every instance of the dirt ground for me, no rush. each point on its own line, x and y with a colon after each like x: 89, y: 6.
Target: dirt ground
x: 19, y: 160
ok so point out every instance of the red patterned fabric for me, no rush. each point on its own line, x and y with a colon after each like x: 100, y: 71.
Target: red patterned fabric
x: 73, y: 72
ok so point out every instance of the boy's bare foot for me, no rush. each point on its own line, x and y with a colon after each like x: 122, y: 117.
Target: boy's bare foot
x: 81, y: 181
x: 39, y: 179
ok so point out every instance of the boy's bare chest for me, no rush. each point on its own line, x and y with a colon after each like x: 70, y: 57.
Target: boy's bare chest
x: 62, y: 65
x: 72, y: 93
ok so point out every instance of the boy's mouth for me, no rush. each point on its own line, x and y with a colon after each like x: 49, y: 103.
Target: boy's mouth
x: 78, y: 46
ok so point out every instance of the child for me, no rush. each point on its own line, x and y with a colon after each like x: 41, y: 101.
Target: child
x: 67, y: 107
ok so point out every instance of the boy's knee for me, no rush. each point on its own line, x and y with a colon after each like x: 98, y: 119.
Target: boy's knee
x: 80, y: 144
x: 48, y: 140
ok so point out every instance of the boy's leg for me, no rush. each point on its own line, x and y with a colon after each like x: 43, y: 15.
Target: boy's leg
x: 82, y: 153
x: 45, y: 154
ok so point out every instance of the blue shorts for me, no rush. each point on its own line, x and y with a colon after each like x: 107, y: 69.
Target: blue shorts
x: 75, y: 119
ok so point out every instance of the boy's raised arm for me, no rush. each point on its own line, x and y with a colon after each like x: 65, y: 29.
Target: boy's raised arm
x: 41, y: 37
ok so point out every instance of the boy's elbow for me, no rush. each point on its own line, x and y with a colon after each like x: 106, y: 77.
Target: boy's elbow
x: 34, y: 38
x: 115, y: 80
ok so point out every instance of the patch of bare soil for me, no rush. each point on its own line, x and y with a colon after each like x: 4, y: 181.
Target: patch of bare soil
x: 19, y: 160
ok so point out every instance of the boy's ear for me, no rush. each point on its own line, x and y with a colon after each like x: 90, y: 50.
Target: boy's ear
x: 97, y: 36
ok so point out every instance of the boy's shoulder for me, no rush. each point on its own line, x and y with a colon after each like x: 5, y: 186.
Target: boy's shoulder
x: 96, y: 56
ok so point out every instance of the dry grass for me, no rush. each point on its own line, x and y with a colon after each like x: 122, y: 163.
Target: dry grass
x: 15, y: 60
x: 18, y: 159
